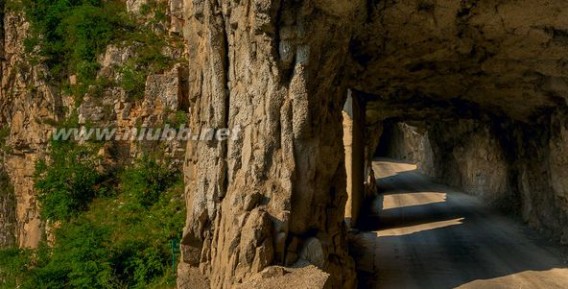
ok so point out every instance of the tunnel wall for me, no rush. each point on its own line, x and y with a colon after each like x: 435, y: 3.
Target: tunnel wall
x: 461, y: 153
x: 408, y: 142
x: 514, y: 166
x: 468, y: 156
x: 538, y: 158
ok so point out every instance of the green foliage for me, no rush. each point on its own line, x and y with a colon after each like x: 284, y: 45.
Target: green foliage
x: 14, y: 263
x: 12, y: 5
x: 154, y: 10
x: 103, y: 240
x: 177, y: 119
x: 4, y: 134
x: 68, y: 35
x: 133, y: 81
x: 119, y: 240
x: 149, y: 59
x: 68, y: 183
x: 146, y: 181
x: 71, y: 33
x: 79, y: 259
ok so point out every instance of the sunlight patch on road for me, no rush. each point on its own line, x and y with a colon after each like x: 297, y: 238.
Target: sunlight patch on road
x: 395, y: 201
x: 385, y: 169
x: 420, y: 228
x: 553, y: 278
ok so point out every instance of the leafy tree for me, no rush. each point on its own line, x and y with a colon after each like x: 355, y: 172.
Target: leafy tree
x: 68, y: 182
x: 80, y: 259
x: 71, y: 33
x: 107, y: 241
x: 146, y: 181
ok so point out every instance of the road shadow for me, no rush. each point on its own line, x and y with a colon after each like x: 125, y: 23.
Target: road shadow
x: 444, y: 244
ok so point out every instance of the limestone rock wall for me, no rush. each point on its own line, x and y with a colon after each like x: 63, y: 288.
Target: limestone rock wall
x: 26, y: 103
x: 354, y: 143
x: 29, y: 107
x: 537, y: 172
x: 558, y: 175
x: 275, y: 194
x: 465, y: 154
x: 7, y: 211
x: 516, y: 166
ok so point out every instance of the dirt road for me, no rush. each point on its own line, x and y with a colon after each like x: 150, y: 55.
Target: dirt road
x: 431, y: 237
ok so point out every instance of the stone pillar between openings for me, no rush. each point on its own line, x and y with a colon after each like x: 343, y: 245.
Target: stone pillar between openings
x: 273, y: 194
x: 354, y: 143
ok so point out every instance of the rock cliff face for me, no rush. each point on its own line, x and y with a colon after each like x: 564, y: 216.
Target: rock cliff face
x: 276, y: 194
x: 29, y: 106
x: 7, y: 212
x: 26, y: 103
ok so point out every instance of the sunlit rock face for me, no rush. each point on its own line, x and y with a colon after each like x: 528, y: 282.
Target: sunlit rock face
x: 275, y: 195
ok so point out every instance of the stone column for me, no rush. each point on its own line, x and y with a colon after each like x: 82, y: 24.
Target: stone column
x: 275, y: 193
x: 354, y: 142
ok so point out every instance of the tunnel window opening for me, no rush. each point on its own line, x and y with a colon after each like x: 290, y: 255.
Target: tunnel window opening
x: 354, y: 148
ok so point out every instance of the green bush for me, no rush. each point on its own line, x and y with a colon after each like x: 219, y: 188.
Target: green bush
x: 146, y: 181
x: 79, y: 259
x: 177, y: 119
x: 68, y: 182
x: 133, y: 81
x: 14, y: 263
x: 122, y: 240
x: 71, y: 33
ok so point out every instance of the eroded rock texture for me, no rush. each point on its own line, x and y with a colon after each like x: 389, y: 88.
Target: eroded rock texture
x: 7, y: 211
x: 275, y: 194
x: 26, y: 103
x: 29, y: 106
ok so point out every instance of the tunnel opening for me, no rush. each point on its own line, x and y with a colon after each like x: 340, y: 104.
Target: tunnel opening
x: 449, y: 193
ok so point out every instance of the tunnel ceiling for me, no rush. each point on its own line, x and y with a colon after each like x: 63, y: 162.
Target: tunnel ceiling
x: 424, y: 58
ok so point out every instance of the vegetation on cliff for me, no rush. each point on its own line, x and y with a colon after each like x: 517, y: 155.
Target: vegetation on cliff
x: 68, y: 36
x: 121, y: 238
x: 112, y: 227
